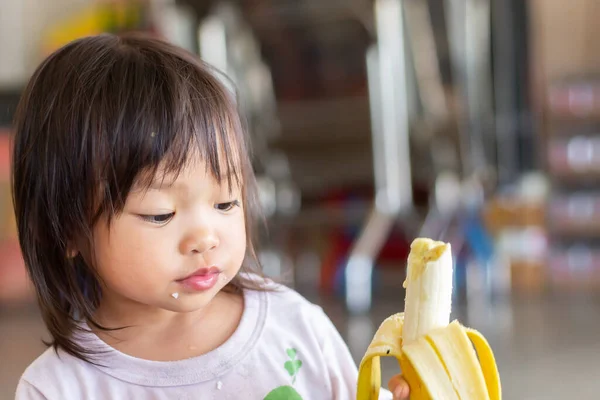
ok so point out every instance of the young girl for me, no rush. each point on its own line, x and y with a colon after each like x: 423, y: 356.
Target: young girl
x: 135, y: 197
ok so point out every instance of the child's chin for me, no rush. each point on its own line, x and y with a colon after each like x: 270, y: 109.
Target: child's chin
x: 189, y: 302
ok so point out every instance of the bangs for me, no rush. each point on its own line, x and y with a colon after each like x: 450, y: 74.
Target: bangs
x: 171, y: 109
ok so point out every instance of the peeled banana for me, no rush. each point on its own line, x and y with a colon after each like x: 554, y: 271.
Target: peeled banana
x: 439, y: 359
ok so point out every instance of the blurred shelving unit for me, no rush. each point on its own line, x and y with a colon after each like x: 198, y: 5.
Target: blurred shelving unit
x: 567, y: 97
x: 573, y: 156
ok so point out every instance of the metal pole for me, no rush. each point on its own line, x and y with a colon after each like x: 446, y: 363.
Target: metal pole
x: 389, y: 99
x: 507, y: 117
x: 469, y: 34
x: 479, y: 82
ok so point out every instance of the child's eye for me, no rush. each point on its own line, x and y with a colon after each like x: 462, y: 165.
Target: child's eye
x: 227, y: 206
x: 158, y: 219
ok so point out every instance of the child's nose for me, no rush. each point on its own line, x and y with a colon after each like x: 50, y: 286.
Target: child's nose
x: 199, y: 241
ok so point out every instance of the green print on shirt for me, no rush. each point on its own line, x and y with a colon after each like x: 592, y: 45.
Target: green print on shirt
x: 292, y: 366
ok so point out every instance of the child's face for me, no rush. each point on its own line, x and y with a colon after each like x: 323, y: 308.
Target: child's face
x: 175, y: 246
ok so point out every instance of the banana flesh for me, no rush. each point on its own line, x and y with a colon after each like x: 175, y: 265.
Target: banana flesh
x: 440, y: 359
x: 428, y: 288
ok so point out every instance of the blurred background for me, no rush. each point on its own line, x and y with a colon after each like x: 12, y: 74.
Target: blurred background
x: 476, y: 122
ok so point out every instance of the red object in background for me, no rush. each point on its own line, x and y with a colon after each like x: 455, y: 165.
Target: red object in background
x: 4, y: 155
x: 338, y: 248
x: 14, y: 282
x: 393, y: 254
x: 395, y: 251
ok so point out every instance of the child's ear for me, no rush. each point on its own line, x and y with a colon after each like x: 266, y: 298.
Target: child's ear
x: 72, y: 251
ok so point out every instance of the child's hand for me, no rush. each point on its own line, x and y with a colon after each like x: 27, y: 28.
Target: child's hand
x: 399, y: 388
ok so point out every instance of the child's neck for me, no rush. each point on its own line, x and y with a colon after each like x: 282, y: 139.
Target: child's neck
x: 162, y: 335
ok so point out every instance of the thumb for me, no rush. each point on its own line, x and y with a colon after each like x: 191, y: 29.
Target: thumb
x: 399, y: 387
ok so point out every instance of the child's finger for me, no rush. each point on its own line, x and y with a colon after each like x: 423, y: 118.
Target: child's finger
x: 399, y: 388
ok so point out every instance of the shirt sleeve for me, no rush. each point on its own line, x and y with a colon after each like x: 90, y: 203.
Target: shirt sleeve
x: 342, y: 369
x: 26, y: 391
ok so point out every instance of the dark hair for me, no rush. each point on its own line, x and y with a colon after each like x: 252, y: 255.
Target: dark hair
x: 99, y: 114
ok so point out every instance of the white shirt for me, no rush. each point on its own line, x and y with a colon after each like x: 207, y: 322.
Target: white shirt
x: 284, y: 348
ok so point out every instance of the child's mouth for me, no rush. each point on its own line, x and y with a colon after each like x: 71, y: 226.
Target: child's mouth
x: 203, y: 279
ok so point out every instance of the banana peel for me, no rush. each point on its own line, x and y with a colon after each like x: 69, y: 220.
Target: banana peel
x: 420, y: 363
x: 387, y: 342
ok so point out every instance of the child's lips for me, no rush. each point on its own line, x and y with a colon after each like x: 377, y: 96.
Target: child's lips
x: 202, y: 279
